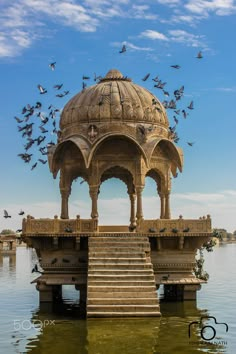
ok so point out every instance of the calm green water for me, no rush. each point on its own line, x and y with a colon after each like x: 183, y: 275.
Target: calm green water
x: 23, y: 329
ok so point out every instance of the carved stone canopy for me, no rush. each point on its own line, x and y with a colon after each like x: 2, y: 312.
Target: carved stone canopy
x: 113, y: 100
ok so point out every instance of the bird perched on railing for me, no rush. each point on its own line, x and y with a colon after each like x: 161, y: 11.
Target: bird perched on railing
x: 186, y: 229
x: 165, y: 277
x: 152, y: 230
x: 36, y: 270
x: 163, y: 229
x: 175, y: 230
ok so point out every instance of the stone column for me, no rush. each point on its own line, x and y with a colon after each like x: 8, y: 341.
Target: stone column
x: 139, y: 213
x: 162, y: 200
x: 132, y: 197
x: 65, y: 193
x: 93, y: 191
x: 167, y: 205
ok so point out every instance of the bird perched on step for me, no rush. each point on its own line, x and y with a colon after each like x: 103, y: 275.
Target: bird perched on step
x: 186, y: 229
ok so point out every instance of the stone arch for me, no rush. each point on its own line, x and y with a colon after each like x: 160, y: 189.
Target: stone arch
x: 62, y: 149
x: 113, y: 137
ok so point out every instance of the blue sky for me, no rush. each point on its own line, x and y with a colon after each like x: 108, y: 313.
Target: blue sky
x: 85, y: 37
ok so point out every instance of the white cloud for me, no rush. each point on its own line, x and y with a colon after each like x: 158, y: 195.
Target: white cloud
x: 204, y: 7
x: 187, y: 38
x: 153, y: 35
x: 221, y: 206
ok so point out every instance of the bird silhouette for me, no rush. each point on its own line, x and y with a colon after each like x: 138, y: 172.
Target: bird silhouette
x: 123, y: 49
x: 186, y: 229
x: 146, y: 77
x: 152, y: 230
x: 190, y: 143
x: 165, y: 277
x: 163, y: 229
x: 6, y: 215
x: 199, y: 55
x: 52, y: 66
x: 64, y: 260
x: 21, y: 212
x: 175, y: 66
x: 54, y: 261
x: 33, y: 166
x: 190, y: 106
x: 41, y: 89
x: 58, y: 87
x: 42, y: 161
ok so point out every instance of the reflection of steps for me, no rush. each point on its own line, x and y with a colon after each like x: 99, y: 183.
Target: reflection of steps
x: 121, y: 281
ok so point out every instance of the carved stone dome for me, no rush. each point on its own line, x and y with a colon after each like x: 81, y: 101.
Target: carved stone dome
x: 115, y: 99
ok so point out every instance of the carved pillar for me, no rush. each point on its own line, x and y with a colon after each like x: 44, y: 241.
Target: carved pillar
x: 93, y: 191
x: 167, y: 205
x: 132, y: 197
x: 162, y: 200
x: 139, y: 213
x: 65, y: 193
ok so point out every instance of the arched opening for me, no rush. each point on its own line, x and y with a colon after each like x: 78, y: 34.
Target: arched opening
x: 114, y: 204
x: 151, y: 200
x: 80, y: 202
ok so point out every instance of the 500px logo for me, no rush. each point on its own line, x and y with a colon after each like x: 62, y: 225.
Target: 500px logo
x: 208, y: 332
x: 27, y: 324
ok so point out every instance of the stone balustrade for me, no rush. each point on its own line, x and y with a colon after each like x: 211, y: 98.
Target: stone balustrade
x: 32, y: 226
x: 175, y: 226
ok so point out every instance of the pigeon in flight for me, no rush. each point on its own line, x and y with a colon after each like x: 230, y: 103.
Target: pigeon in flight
x: 58, y: 87
x: 175, y: 66
x: 42, y: 89
x: 190, y: 143
x: 199, y: 55
x: 123, y: 49
x: 21, y: 212
x: 190, y: 106
x: 6, y: 215
x: 146, y: 77
x: 52, y: 66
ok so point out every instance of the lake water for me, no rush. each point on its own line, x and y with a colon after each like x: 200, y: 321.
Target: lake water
x: 23, y: 329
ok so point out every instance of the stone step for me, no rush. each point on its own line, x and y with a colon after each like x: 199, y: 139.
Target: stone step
x: 106, y: 294
x: 120, y: 266
x: 124, y: 244
x: 118, y: 238
x: 110, y: 260
x: 115, y: 271
x: 116, y: 249
x: 123, y: 314
x: 120, y: 288
x: 114, y: 254
x: 119, y: 277
x: 123, y: 308
x: 121, y: 283
x: 123, y: 301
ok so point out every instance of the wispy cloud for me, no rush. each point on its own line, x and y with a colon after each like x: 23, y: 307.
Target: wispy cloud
x: 131, y: 46
x: 155, y: 35
x: 205, y: 7
x: 187, y: 38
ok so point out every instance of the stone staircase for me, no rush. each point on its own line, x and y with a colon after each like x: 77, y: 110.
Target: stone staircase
x: 120, y: 277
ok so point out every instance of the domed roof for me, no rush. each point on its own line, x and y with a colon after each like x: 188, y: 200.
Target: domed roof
x: 114, y: 98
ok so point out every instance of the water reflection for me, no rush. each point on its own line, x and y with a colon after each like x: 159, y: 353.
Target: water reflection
x: 25, y: 329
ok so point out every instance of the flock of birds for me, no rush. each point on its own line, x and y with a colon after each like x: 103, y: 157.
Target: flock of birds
x: 37, y: 122
x: 171, y: 103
